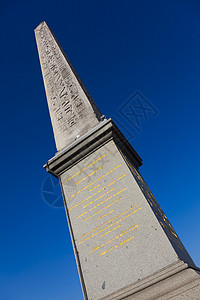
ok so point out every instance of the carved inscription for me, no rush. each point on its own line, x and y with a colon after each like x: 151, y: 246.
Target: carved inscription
x: 162, y: 218
x: 98, y: 204
x: 67, y: 106
x: 112, y: 214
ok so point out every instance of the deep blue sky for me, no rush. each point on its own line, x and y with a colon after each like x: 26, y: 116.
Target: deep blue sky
x: 117, y: 47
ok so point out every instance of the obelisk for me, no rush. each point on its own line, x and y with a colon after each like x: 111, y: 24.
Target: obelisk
x: 72, y: 110
x: 125, y: 247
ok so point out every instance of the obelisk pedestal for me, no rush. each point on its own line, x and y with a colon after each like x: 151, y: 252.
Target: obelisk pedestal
x: 124, y: 245
x: 122, y: 239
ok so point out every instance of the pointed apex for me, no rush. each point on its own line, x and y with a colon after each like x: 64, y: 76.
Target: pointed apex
x: 40, y: 25
x: 72, y: 110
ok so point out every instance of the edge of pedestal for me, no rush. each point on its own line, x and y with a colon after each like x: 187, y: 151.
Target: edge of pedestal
x: 157, y: 284
x: 86, y: 144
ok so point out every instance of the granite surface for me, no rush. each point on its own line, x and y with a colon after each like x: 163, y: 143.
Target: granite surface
x: 124, y: 244
x: 118, y: 238
x: 72, y: 110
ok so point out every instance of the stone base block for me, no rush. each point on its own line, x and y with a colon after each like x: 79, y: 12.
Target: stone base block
x: 177, y: 282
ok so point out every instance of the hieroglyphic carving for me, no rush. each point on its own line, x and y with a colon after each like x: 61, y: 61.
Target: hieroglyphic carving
x: 72, y: 110
x: 65, y: 101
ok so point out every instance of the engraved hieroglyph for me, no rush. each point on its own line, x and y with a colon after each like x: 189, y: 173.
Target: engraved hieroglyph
x: 72, y: 110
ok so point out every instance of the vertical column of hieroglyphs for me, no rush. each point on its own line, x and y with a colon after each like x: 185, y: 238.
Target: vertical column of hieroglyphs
x: 69, y: 108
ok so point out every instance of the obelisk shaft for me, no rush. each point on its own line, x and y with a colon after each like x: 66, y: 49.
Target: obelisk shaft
x: 72, y: 110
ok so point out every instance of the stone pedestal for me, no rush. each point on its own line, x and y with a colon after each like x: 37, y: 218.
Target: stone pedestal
x: 177, y: 282
x: 123, y: 242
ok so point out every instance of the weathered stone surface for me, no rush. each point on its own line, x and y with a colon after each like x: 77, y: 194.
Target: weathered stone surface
x: 183, y: 285
x: 120, y: 234
x: 118, y: 237
x: 72, y: 110
x: 124, y: 245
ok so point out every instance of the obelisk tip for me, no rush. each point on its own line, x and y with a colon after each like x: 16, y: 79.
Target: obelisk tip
x: 43, y: 23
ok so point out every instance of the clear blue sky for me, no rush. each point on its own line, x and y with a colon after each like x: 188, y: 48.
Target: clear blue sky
x: 117, y: 47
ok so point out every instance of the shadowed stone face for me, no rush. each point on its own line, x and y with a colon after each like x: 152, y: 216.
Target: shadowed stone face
x: 72, y: 110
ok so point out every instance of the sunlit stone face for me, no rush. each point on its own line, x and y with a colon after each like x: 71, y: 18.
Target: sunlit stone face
x: 72, y: 110
x: 118, y: 237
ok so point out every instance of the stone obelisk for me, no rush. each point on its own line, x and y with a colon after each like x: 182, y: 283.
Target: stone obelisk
x: 124, y: 245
